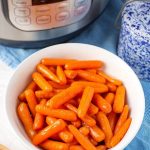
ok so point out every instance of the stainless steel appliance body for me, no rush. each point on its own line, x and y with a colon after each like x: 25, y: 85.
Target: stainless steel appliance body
x: 38, y: 23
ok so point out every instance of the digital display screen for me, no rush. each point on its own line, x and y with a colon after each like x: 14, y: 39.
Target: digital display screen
x: 40, y: 2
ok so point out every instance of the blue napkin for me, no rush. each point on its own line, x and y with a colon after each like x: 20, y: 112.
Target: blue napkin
x: 101, y: 33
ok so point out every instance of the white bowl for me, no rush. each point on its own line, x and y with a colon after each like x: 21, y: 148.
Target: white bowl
x: 114, y: 66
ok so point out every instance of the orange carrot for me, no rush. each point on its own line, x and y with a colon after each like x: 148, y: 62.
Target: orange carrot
x: 77, y: 123
x: 93, y: 141
x: 56, y: 91
x: 97, y: 134
x: 50, y: 120
x: 57, y: 113
x: 92, y: 70
x: 32, y: 85
x: 98, y: 87
x: 66, y: 136
x: 57, y: 85
x: 48, y: 131
x: 110, y: 98
x: 92, y: 109
x: 89, y: 76
x: 25, y: 117
x: 119, y: 99
x: 64, y: 96
x: 104, y: 123
x: 101, y: 147
x: 110, y: 79
x: 81, y: 138
x: 85, y: 101
x: 112, y: 117
x: 123, y: 117
x: 87, y: 119
x: 84, y: 130
x: 111, y: 87
x: 70, y: 74
x: 47, y: 73
x: 32, y: 101
x: 61, y: 75
x: 44, y: 94
x: 52, y: 69
x: 85, y: 64
x: 56, y: 61
x: 102, y: 103
x: 41, y: 82
x: 120, y: 133
x: 39, y: 119
x: 76, y: 147
x: 54, y: 145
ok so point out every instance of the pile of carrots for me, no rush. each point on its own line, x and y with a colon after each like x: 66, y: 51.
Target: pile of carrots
x: 73, y: 105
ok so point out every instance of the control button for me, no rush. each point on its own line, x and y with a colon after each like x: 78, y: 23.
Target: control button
x: 43, y: 19
x: 42, y: 9
x: 80, y: 10
x: 22, y: 2
x: 62, y: 16
x: 79, y: 3
x: 23, y: 20
x: 22, y: 12
x: 62, y: 6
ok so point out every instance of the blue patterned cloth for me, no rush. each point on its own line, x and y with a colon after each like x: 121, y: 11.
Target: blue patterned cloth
x: 103, y: 34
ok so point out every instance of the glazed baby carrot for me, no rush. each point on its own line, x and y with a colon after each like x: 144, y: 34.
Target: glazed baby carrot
x: 47, y: 73
x: 92, y: 70
x: 119, y: 99
x: 111, y: 87
x: 57, y: 85
x: 41, y: 82
x: 64, y: 135
x: 101, y: 147
x: 110, y: 98
x: 61, y: 75
x: 81, y: 138
x: 32, y: 101
x: 54, y: 145
x: 70, y: 74
x: 76, y: 147
x: 87, y: 119
x: 25, y: 117
x: 77, y: 123
x: 120, y: 133
x: 102, y: 103
x: 50, y: 120
x: 92, y: 109
x: 123, y: 117
x: 93, y: 141
x: 32, y: 85
x: 104, y: 123
x: 48, y: 131
x: 64, y: 96
x: 56, y: 61
x: 112, y: 117
x: 44, y: 94
x: 98, y: 87
x: 39, y: 119
x: 97, y: 134
x: 110, y: 79
x: 84, y: 130
x: 52, y: 68
x: 57, y: 113
x: 87, y: 64
x: 85, y: 101
x: 89, y: 76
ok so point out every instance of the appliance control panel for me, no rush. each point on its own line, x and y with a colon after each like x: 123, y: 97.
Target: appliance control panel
x: 33, y: 15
